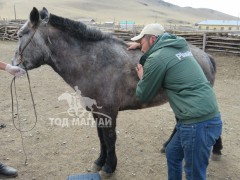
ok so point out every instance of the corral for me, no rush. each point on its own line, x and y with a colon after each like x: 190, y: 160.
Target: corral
x: 214, y: 41
x: 55, y: 151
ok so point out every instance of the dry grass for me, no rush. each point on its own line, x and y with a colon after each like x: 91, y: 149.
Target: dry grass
x: 142, y: 12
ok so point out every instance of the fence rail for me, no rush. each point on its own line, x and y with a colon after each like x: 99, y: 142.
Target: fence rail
x: 214, y: 41
x: 225, y: 42
x: 8, y: 29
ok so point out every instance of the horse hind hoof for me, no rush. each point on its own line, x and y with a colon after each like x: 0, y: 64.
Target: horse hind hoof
x: 105, y: 175
x: 94, y: 168
x: 216, y: 157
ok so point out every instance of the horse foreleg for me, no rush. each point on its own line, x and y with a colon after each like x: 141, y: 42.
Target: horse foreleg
x: 110, y: 165
x: 107, y: 160
x: 98, y: 164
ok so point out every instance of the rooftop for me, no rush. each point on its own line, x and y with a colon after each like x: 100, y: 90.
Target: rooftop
x: 220, y: 22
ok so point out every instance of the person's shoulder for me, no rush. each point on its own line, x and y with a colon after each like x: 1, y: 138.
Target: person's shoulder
x: 165, y: 54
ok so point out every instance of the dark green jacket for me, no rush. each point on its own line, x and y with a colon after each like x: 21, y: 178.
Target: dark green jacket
x: 170, y: 65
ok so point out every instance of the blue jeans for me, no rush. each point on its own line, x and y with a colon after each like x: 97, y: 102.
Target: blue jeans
x: 193, y: 143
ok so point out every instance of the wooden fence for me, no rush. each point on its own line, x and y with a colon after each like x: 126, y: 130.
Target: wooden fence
x: 225, y: 42
x: 8, y: 29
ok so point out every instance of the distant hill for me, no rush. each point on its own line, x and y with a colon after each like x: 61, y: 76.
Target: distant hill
x: 140, y: 11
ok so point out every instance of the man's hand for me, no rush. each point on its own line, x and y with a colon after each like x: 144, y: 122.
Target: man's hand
x: 133, y: 45
x: 139, y: 70
x: 15, y: 70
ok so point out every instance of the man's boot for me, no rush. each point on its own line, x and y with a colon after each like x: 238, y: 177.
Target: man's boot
x: 7, y: 171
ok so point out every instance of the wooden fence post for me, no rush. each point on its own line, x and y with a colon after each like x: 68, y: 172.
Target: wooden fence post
x: 204, y: 41
x: 5, y: 33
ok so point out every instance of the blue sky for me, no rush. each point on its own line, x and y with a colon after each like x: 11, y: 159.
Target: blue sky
x: 231, y: 7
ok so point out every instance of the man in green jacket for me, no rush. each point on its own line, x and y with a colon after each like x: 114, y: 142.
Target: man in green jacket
x: 169, y: 64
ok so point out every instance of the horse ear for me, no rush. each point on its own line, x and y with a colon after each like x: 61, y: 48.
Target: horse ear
x: 34, y: 17
x: 44, y: 15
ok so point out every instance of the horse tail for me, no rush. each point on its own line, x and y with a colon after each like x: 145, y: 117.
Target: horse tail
x: 213, y: 62
x: 213, y: 68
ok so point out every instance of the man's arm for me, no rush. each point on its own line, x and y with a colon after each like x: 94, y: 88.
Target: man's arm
x: 14, y: 70
x: 152, y: 79
x: 139, y: 70
x: 2, y: 65
x: 133, y: 45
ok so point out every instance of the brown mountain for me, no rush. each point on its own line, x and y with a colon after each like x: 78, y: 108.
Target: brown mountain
x: 140, y: 11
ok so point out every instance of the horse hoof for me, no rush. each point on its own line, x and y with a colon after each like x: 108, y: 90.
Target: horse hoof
x: 95, y: 168
x: 216, y: 157
x: 163, y: 150
x: 105, y: 175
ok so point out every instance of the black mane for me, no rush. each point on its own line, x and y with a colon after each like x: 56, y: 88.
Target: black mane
x: 77, y: 29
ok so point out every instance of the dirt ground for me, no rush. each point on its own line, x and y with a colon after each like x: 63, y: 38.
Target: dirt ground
x: 54, y: 152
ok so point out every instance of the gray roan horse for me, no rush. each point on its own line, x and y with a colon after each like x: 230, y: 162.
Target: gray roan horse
x: 98, y: 63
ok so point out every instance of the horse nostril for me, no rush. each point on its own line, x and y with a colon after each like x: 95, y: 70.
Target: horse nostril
x: 14, y: 63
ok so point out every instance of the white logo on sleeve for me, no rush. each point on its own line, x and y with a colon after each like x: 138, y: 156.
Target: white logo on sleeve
x: 181, y: 55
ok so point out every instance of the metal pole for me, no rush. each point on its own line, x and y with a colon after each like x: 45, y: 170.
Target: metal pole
x: 15, y: 12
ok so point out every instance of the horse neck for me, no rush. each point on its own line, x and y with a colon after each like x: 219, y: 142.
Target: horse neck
x: 66, y: 59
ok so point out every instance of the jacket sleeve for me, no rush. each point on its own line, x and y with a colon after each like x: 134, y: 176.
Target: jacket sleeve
x: 153, y: 75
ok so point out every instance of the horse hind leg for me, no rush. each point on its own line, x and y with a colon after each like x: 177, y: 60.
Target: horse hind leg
x: 169, y: 139
x: 216, y: 152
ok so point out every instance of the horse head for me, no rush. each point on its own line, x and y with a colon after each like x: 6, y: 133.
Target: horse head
x: 32, y: 50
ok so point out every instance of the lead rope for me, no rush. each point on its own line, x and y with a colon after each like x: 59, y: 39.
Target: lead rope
x: 13, y: 85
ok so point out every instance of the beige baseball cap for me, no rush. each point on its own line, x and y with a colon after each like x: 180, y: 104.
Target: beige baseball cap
x: 152, y: 29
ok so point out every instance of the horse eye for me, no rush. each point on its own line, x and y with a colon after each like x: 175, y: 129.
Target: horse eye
x: 19, y: 34
x: 22, y: 32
